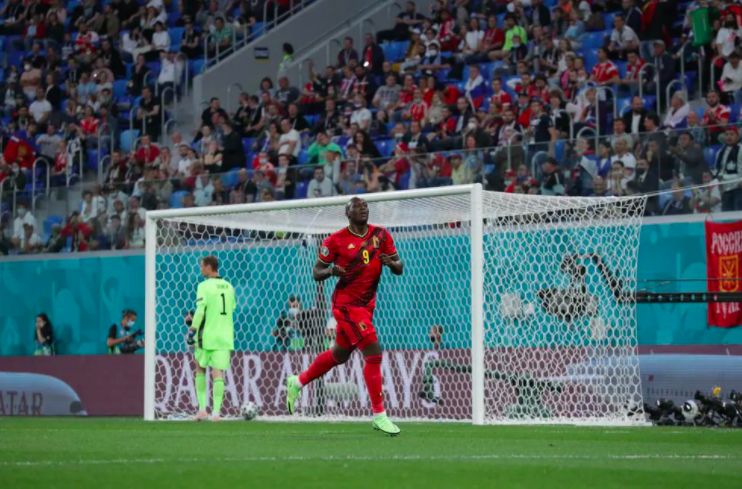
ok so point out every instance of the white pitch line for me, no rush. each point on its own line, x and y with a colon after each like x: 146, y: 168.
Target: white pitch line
x: 356, y: 458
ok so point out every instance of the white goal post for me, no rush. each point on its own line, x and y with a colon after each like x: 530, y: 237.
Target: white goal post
x: 512, y: 308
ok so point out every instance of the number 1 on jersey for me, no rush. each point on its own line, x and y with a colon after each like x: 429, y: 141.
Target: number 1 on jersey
x: 224, y: 305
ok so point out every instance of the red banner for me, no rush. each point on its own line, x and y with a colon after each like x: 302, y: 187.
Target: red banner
x: 723, y: 258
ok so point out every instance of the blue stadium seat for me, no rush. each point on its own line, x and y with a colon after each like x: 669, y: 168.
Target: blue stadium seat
x: 591, y: 58
x: 303, y: 158
x: 247, y: 144
x: 49, y: 222
x: 176, y: 37
x: 559, y: 150
x: 734, y: 113
x: 709, y: 155
x: 119, y: 89
x: 300, y: 192
x: 176, y: 199
x: 126, y: 142
x: 196, y: 66
x: 623, y: 104
x: 593, y: 40
x: 257, y: 30
x: 230, y: 179
x: 385, y: 147
x: 92, y: 161
x: 650, y: 102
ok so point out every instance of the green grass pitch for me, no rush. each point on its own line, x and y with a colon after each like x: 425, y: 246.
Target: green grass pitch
x: 133, y: 454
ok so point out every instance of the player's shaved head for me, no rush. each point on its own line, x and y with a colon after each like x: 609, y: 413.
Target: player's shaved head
x: 356, y: 211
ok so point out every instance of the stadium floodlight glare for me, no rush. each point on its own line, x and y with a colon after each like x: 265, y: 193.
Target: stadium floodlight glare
x: 513, y: 308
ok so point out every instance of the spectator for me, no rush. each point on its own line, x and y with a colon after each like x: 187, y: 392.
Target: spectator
x: 88, y: 209
x: 677, y: 114
x: 604, y: 72
x: 617, y: 180
x: 290, y: 141
x: 29, y: 242
x: 191, y: 44
x: 43, y: 336
x: 160, y: 38
x: 233, y: 152
x: 552, y: 181
x: 135, y: 231
x: 360, y: 115
x: 715, y: 117
x: 286, y: 94
x: 729, y: 167
x: 632, y: 14
x: 40, y: 108
x: 731, y: 78
x: 23, y: 217
x: 406, y: 20
x: 320, y: 186
x: 122, y: 338
x: 207, y: 116
x: 347, y: 54
x: 460, y: 172
x: 203, y: 190
x: 76, y: 233
x: 623, y: 39
x: 634, y: 119
x: 678, y: 204
x: 166, y: 78
x: 148, y: 114
x: 372, y: 56
x: 646, y: 180
x: 664, y: 65
x: 689, y: 162
x: 706, y: 198
x: 113, y: 236
x: 221, y: 38
x: 387, y: 96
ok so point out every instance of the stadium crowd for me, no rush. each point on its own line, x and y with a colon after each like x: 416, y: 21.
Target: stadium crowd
x: 519, y: 95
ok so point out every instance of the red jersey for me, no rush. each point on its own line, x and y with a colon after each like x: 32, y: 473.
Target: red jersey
x: 360, y: 256
x: 602, y: 72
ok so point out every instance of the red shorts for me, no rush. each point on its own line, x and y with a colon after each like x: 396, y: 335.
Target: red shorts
x: 355, y: 328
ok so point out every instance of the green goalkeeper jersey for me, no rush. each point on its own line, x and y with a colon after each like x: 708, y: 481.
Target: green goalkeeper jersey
x: 215, y: 305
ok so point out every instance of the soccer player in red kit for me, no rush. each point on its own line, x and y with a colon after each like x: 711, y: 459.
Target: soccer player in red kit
x: 357, y: 255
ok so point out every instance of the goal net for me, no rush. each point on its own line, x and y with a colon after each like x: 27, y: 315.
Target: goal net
x: 512, y: 308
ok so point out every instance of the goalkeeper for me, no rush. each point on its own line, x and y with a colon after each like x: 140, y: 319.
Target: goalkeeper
x: 213, y: 333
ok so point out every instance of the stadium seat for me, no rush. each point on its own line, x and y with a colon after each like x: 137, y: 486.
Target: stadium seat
x: 303, y: 158
x: 126, y: 142
x: 196, y: 66
x: 119, y: 90
x: 49, y: 222
x: 230, y: 179
x: 176, y: 37
x: 734, y: 113
x: 591, y: 58
x: 385, y: 147
x: 593, y: 40
x: 559, y: 150
x: 257, y: 30
x: 176, y: 199
x: 709, y: 155
x: 247, y: 144
x: 300, y: 192
x: 92, y: 159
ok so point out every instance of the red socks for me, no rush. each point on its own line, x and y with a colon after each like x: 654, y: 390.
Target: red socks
x: 319, y: 367
x: 372, y: 375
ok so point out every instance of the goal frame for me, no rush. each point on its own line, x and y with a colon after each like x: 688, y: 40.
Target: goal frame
x: 475, y: 193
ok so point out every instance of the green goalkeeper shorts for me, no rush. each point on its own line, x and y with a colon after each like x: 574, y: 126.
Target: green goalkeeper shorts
x: 218, y: 359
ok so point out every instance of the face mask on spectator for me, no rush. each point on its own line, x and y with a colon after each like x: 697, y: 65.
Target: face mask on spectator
x: 21, y: 212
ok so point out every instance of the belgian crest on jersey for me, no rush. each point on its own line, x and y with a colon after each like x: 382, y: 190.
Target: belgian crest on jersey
x: 324, y: 251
